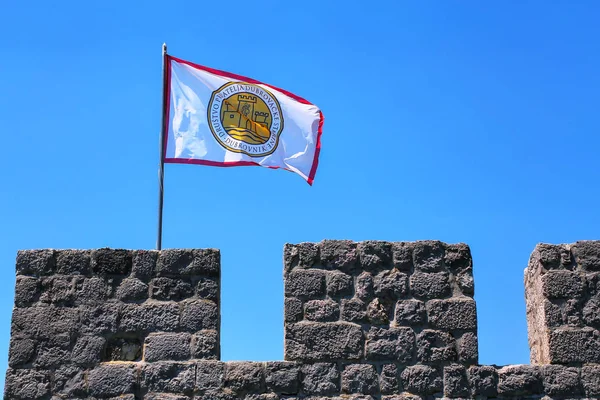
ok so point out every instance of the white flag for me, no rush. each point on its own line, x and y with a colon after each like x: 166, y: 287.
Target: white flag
x: 221, y: 119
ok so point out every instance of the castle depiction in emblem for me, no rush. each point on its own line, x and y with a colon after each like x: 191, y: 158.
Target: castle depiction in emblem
x: 246, y: 117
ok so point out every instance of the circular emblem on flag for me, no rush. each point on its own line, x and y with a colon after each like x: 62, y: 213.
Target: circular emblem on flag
x: 245, y: 118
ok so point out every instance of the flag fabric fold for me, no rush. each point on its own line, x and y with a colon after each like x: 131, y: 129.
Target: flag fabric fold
x: 221, y: 119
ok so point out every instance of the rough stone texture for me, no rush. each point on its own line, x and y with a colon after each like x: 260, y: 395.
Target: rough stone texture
x: 363, y: 321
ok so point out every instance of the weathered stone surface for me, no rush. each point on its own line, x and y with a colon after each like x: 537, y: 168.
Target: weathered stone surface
x: 187, y: 262
x: 167, y: 346
x: 26, y: 384
x: 378, y: 312
x: 388, y: 381
x: 27, y: 290
x: 150, y: 317
x: 402, y: 256
x: 364, y: 286
x: 170, y: 289
x: 199, y: 314
x: 354, y: 310
x: 452, y: 314
x: 339, y: 284
x: 71, y: 262
x: 321, y: 310
x: 244, y: 377
x: 91, y: 291
x: 293, y: 310
x: 550, y: 256
x: 390, y: 284
x: 53, y: 352
x: 422, y: 379
x: 111, y: 380
x: 567, y: 345
x: 410, y: 313
x: 315, y: 341
x: 590, y: 380
x: 394, y: 344
x: 132, y: 289
x: 205, y: 345
x: 143, y: 264
x: 519, y: 380
x: 44, y: 322
x: 457, y: 257
x: 591, y: 313
x: 100, y: 319
x: 430, y: 285
x: 374, y: 254
x: 360, y: 378
x: 124, y: 349
x: 282, y: 377
x: 483, y: 380
x: 587, y: 254
x: 303, y: 255
x: 208, y: 289
x: 88, y: 350
x: 435, y: 346
x: 111, y: 261
x: 35, y: 262
x: 466, y: 283
x: 320, y: 379
x: 338, y: 254
x: 562, y: 284
x: 168, y: 377
x: 210, y: 375
x: 21, y: 351
x: 305, y: 284
x: 456, y: 383
x: 69, y: 381
x: 428, y: 256
x: 560, y: 381
x: 468, y: 348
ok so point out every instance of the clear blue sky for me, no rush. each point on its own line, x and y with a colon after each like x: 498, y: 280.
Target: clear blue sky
x: 459, y: 121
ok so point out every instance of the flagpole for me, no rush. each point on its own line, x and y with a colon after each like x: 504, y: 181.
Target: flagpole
x: 161, y: 170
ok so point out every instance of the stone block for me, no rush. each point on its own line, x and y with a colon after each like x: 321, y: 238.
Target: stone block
x: 394, y: 344
x: 316, y: 341
x: 305, y: 284
x: 44, y: 322
x: 210, y: 375
x: 388, y: 381
x: 132, y: 289
x: 293, y: 309
x: 111, y: 380
x: 167, y: 346
x: 410, y: 313
x: 53, y: 352
x: 303, y: 255
x: 587, y: 254
x: 430, y: 285
x: 365, y: 286
x: 143, y: 264
x: 452, y: 314
x: 320, y: 379
x: 390, y: 284
x: 197, y: 315
x: 339, y: 284
x: 435, y: 347
x: 100, y: 319
x: 21, y: 351
x: 465, y: 283
x: 189, y: 262
x: 360, y: 378
x: 321, y: 310
x: 519, y: 380
x: 27, y: 290
x: 73, y: 262
x: 35, y: 262
x: 559, y: 380
x: 457, y: 258
x: 374, y: 254
x: 149, y: 317
x: 569, y: 345
x: 111, y: 262
x: 208, y: 289
x: 205, y: 345
x: 282, y: 377
x: 88, y: 350
x: 483, y: 380
x: 338, y: 254
x: 163, y: 396
x: 26, y: 384
x: 590, y: 380
x: 168, y: 377
x: 170, y: 289
x: 422, y: 379
x: 57, y: 290
x: 468, y: 348
x: 244, y: 377
x: 402, y: 256
x: 69, y: 381
x: 552, y: 256
x: 591, y: 313
x: 428, y: 256
x: 91, y: 291
x: 562, y: 284
x: 456, y: 383
x: 354, y: 310
x: 378, y: 312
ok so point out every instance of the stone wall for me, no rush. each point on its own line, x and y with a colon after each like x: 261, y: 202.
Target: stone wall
x: 368, y: 321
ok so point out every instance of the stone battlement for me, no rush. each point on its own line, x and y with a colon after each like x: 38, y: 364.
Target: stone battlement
x: 369, y: 320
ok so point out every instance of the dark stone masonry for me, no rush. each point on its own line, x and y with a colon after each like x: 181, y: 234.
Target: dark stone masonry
x: 364, y: 321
